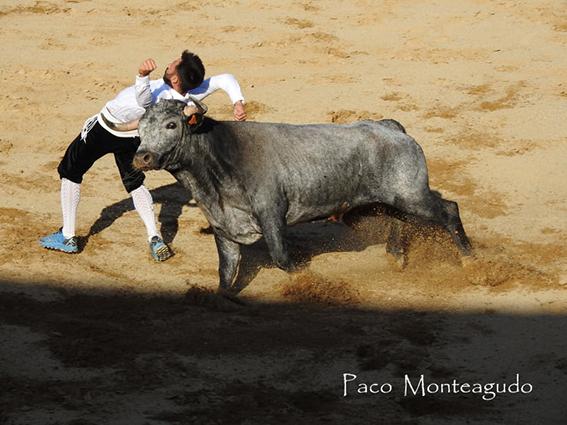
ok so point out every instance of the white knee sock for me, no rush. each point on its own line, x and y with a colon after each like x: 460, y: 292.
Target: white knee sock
x: 144, y: 204
x: 70, y: 196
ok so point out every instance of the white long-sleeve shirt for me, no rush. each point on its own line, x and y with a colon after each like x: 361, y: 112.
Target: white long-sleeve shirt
x: 131, y: 103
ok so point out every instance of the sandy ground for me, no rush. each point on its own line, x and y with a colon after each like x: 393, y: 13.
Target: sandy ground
x: 110, y: 337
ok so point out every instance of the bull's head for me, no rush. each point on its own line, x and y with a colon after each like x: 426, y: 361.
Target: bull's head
x: 162, y: 131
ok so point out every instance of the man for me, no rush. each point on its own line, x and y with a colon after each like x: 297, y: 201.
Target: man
x: 114, y: 130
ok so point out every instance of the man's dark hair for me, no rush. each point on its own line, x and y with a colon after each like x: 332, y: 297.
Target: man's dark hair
x: 191, y: 71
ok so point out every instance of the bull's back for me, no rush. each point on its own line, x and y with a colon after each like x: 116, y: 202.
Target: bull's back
x: 323, y: 168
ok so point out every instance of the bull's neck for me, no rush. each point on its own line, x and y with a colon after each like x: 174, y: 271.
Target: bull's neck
x: 206, y: 196
x: 200, y: 167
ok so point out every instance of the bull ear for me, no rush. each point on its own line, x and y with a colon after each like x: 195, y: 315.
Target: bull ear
x: 193, y: 118
x: 194, y: 113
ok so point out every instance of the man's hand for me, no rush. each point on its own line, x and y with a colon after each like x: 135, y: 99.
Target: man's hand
x: 146, y: 67
x: 239, y: 111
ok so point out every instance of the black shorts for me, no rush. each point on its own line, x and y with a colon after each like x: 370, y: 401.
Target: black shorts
x: 81, y: 155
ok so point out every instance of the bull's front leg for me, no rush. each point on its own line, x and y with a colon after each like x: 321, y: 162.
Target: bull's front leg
x: 229, y: 261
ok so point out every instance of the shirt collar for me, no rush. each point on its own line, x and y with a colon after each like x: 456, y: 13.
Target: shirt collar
x: 172, y: 93
x: 175, y: 95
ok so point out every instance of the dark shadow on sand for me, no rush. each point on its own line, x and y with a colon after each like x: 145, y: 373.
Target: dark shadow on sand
x: 106, y: 356
x: 172, y: 198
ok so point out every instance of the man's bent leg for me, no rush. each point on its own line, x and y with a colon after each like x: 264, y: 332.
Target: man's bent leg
x: 143, y: 203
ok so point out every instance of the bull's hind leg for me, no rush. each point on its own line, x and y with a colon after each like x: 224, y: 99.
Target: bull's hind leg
x: 455, y: 227
x: 398, y: 242
x: 229, y: 261
x: 441, y: 212
x: 273, y: 229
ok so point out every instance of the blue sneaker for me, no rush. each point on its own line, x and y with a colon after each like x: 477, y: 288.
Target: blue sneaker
x: 57, y: 242
x: 159, y: 250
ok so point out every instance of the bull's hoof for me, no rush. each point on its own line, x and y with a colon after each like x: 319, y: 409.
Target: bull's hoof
x: 292, y: 267
x: 286, y: 265
x: 466, y: 250
x: 229, y: 295
x: 398, y: 256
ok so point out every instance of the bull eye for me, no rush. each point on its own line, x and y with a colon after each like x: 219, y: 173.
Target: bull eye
x: 171, y: 125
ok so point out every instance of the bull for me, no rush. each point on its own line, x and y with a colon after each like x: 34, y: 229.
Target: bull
x: 253, y: 179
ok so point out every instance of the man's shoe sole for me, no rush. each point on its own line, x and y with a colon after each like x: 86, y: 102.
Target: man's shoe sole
x: 165, y: 251
x: 60, y: 250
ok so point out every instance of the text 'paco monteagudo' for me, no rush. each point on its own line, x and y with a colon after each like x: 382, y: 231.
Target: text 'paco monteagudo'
x: 420, y: 387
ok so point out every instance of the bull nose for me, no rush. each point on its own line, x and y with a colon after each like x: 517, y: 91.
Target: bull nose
x: 145, y: 160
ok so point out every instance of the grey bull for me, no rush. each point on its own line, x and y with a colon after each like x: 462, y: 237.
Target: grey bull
x: 253, y: 179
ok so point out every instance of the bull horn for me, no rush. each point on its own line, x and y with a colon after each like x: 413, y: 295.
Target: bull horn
x: 200, y: 105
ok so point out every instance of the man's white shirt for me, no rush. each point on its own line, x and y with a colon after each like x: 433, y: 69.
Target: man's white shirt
x: 131, y: 103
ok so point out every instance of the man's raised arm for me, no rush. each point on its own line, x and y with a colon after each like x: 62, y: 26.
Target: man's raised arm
x: 228, y: 84
x: 143, y: 92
